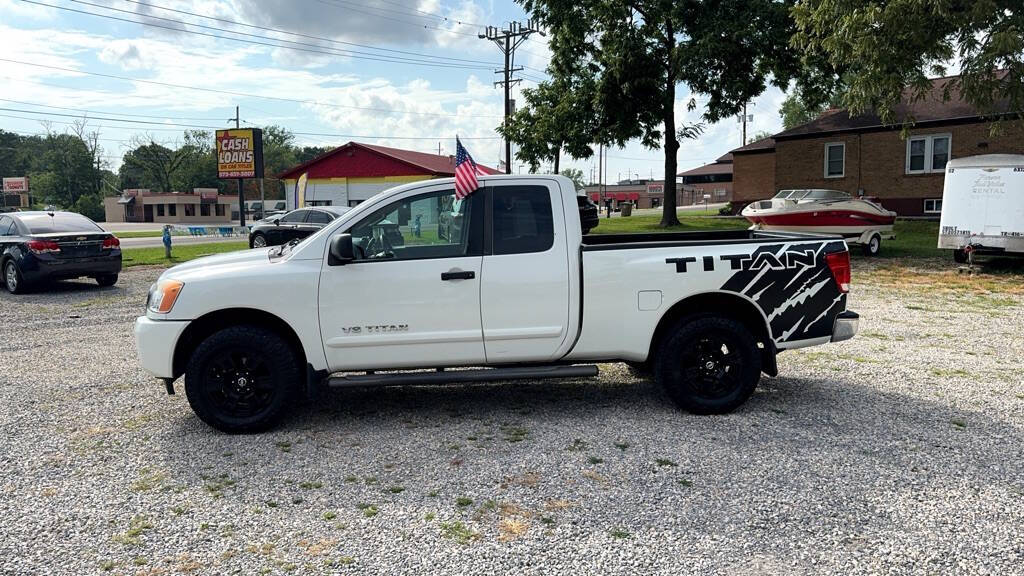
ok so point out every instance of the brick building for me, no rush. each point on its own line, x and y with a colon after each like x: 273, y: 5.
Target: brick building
x: 860, y: 155
x: 715, y: 179
x: 201, y: 206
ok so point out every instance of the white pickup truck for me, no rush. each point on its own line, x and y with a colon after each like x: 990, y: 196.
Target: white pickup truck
x: 414, y: 286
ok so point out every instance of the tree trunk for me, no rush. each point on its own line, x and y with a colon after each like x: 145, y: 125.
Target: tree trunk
x: 668, y: 211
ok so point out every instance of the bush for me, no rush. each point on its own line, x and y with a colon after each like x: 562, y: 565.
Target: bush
x: 725, y: 210
x: 90, y: 206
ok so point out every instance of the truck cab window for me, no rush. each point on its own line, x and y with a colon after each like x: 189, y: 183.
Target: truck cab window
x: 431, y: 225
x: 522, y: 221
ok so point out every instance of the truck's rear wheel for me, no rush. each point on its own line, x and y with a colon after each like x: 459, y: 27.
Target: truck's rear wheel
x: 708, y: 364
x: 242, y: 379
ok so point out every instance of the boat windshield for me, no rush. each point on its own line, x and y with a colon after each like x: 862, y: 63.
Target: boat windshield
x: 811, y: 195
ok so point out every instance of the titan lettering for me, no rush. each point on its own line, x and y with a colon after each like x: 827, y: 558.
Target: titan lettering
x: 377, y: 329
x: 763, y: 261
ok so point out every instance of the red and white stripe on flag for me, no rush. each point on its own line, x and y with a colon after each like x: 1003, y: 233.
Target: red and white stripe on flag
x: 465, y: 172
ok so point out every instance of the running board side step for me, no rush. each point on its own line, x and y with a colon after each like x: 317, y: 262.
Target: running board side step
x: 442, y: 376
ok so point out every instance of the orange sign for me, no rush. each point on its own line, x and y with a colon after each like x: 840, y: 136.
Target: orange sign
x: 240, y: 153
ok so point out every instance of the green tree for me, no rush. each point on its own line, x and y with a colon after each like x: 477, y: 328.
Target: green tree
x: 153, y: 165
x: 307, y: 153
x: 885, y: 50
x: 279, y: 154
x: 576, y: 175
x: 637, y: 52
x: 557, y: 116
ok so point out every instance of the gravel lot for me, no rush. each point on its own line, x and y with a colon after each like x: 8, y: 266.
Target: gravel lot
x: 901, y: 451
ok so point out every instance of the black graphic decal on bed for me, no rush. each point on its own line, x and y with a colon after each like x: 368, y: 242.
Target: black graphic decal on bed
x: 798, y: 294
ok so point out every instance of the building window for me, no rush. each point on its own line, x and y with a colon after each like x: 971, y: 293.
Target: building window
x: 204, y: 209
x: 219, y: 209
x: 835, y: 160
x: 928, y: 153
x: 172, y: 209
x: 190, y: 209
x: 932, y: 205
x: 353, y: 203
x: 159, y: 209
x: 318, y: 203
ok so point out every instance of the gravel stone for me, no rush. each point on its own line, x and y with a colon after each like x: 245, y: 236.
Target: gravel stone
x: 899, y: 452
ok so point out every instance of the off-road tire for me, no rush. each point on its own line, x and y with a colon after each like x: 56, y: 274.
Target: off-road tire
x: 278, y: 375
x: 682, y: 366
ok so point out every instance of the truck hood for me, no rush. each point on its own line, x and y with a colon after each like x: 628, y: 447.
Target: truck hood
x: 217, y: 263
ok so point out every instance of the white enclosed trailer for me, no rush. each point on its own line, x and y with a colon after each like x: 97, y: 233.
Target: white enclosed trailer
x: 983, y: 205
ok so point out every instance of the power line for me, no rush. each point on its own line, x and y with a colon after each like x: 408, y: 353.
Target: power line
x: 243, y: 94
x: 327, y: 52
x: 135, y: 121
x: 103, y: 112
x: 337, y: 5
x: 280, y: 31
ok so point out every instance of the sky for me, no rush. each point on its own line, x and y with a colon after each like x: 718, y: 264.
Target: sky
x: 404, y: 73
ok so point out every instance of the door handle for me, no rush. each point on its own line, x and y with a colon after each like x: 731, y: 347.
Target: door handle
x: 458, y: 275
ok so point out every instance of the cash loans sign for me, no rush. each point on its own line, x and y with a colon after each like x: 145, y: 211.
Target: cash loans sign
x: 240, y: 153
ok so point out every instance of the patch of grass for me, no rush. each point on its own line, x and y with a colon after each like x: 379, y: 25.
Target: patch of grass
x: 183, y: 253
x: 429, y: 516
x: 578, y: 445
x: 595, y: 460
x: 651, y: 223
x: 272, y: 504
x: 622, y: 445
x: 179, y: 510
x: 216, y: 485
x: 140, y: 234
x: 665, y: 462
x: 297, y: 500
x: 463, y: 502
x: 948, y: 373
x: 959, y: 423
x: 370, y: 480
x: 148, y: 481
x: 330, y: 515
x: 547, y: 520
x: 457, y: 531
x: 432, y: 493
x: 138, y: 526
x: 619, y: 533
x: 369, y: 510
x: 283, y: 446
x: 396, y: 489
x: 311, y: 485
x: 107, y: 565
x: 686, y: 483
x: 514, y: 434
x: 511, y: 529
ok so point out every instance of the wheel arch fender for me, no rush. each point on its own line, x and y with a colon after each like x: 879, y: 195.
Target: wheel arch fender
x: 726, y: 304
x: 207, y: 324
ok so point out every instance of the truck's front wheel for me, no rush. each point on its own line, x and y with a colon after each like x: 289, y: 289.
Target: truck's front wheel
x: 708, y: 364
x: 242, y: 379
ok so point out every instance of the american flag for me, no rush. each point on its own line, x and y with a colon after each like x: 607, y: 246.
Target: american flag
x: 465, y: 172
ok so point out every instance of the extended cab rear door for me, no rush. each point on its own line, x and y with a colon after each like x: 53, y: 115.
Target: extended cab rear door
x: 525, y: 287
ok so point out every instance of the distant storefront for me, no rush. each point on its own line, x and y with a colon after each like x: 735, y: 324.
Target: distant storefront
x: 354, y: 172
x: 201, y: 206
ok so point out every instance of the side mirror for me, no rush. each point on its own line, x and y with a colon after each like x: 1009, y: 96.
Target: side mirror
x: 277, y: 221
x: 341, y: 252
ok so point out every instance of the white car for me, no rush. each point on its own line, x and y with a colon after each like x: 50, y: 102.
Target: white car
x: 502, y: 285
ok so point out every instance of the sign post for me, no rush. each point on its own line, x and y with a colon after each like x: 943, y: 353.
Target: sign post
x: 240, y: 155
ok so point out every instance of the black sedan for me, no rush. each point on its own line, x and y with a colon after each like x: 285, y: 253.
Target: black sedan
x: 589, y: 215
x: 40, y: 246
x: 294, y: 225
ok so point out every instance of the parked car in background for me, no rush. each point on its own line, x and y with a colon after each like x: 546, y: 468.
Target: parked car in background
x: 294, y: 225
x: 36, y: 247
x: 590, y: 215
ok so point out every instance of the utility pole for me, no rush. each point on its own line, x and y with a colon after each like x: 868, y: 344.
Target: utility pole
x: 241, y: 194
x: 744, y: 119
x: 507, y: 40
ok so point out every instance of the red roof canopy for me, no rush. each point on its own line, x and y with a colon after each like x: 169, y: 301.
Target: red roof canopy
x: 357, y: 160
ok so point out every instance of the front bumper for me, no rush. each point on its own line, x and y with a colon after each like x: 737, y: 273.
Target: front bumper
x: 846, y: 326
x: 155, y: 341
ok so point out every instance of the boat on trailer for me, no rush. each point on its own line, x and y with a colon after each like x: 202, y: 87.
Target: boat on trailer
x: 859, y: 220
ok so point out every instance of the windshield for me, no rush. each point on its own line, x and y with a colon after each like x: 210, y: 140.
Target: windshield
x: 58, y: 222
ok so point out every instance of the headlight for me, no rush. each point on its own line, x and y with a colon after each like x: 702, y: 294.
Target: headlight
x: 163, y: 294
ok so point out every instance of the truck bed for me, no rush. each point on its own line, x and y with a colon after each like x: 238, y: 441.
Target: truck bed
x: 695, y: 238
